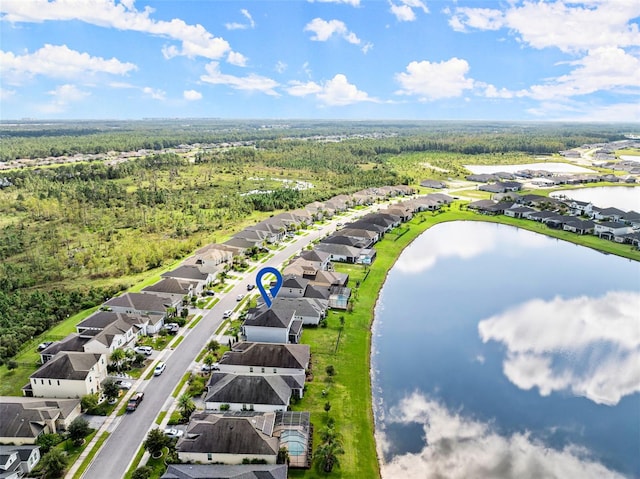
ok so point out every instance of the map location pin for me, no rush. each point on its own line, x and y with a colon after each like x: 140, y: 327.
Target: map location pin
x: 270, y: 295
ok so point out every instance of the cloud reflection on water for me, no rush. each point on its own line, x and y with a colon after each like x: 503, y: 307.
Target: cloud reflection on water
x: 458, y: 447
x: 589, y: 346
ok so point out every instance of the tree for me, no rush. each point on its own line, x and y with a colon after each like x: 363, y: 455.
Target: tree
x: 89, y: 402
x: 327, y: 455
x: 209, y: 359
x: 78, y: 430
x: 156, y: 441
x: 110, y: 389
x: 330, y: 370
x: 283, y: 456
x: 53, y: 463
x: 47, y: 441
x: 327, y: 407
x: 117, y: 356
x: 143, y: 472
x: 213, y: 346
x: 186, y: 406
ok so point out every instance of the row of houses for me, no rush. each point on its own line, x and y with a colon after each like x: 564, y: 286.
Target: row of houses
x: 569, y: 215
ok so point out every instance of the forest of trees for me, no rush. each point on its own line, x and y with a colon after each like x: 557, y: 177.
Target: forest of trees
x: 75, y: 234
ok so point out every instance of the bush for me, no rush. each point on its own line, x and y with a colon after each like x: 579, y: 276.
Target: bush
x: 143, y: 472
x: 197, y: 385
x: 89, y: 402
x: 176, y: 418
x: 78, y: 430
x: 47, y: 441
x: 225, y: 407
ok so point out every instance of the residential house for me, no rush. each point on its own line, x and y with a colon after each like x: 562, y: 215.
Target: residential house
x: 433, y: 184
x: 18, y: 461
x: 68, y: 375
x: 269, y: 326
x: 223, y: 471
x: 358, y: 237
x: 251, y: 392
x: 608, y: 214
x: 24, y: 419
x: 266, y: 358
x: 241, y: 245
x: 140, y: 303
x: 73, y: 342
x: 339, y: 297
x: 580, y: 208
x: 517, y: 211
x: 308, y: 310
x: 612, y: 230
x: 194, y: 274
x: 323, y: 260
x: 293, y: 286
x: 175, y: 288
x: 489, y: 207
x: 340, y: 253
x: 229, y: 439
x: 579, y: 226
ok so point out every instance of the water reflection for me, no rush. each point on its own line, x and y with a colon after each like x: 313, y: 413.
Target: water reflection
x: 590, y: 346
x: 458, y: 446
x: 625, y: 198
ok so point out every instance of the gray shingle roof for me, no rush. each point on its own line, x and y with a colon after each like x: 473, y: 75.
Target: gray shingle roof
x: 291, y: 356
x: 226, y: 435
x: 67, y: 365
x: 268, y: 318
x: 139, y: 302
x: 216, y: 471
x: 25, y: 417
x: 245, y: 389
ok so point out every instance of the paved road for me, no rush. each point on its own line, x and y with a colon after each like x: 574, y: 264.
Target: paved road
x: 129, y: 431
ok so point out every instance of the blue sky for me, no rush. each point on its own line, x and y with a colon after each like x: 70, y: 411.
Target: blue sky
x: 330, y: 59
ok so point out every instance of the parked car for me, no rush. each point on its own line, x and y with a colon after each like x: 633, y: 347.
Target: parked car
x: 172, y: 327
x: 227, y: 314
x: 134, y: 401
x: 209, y: 292
x: 123, y: 384
x: 147, y: 350
x: 45, y: 345
x: 250, y: 286
x: 173, y: 433
x: 160, y: 367
x: 240, y: 297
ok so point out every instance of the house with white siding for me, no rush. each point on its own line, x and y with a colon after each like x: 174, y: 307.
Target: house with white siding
x: 270, y: 326
x: 68, y: 375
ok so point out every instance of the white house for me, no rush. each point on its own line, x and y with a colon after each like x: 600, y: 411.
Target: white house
x: 16, y: 461
x: 611, y: 229
x: 270, y: 326
x: 266, y: 358
x: 68, y: 375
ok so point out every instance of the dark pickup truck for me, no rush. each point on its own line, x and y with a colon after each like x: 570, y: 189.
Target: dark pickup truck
x: 134, y: 401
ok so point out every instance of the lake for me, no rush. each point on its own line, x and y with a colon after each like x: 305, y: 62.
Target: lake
x: 502, y: 353
x: 625, y: 198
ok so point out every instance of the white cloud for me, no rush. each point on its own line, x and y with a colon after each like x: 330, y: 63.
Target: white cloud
x: 242, y: 26
x: 281, y: 66
x: 192, y: 95
x: 59, y: 61
x: 404, y: 11
x: 154, y: 93
x: 434, y: 81
x: 571, y: 27
x: 6, y: 94
x: 323, y: 30
x: 589, y: 346
x: 194, y: 40
x: 237, y: 59
x: 250, y: 82
x: 605, y: 68
x: 63, y: 95
x: 458, y: 447
x: 335, y: 92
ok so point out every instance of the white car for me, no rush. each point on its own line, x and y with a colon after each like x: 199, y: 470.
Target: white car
x: 147, y: 350
x: 159, y: 369
x: 123, y: 384
x: 227, y: 314
x: 173, y: 433
x: 240, y: 297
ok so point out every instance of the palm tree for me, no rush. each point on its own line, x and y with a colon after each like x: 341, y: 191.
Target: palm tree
x: 327, y: 455
x: 186, y: 406
x: 117, y: 356
x: 209, y: 359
